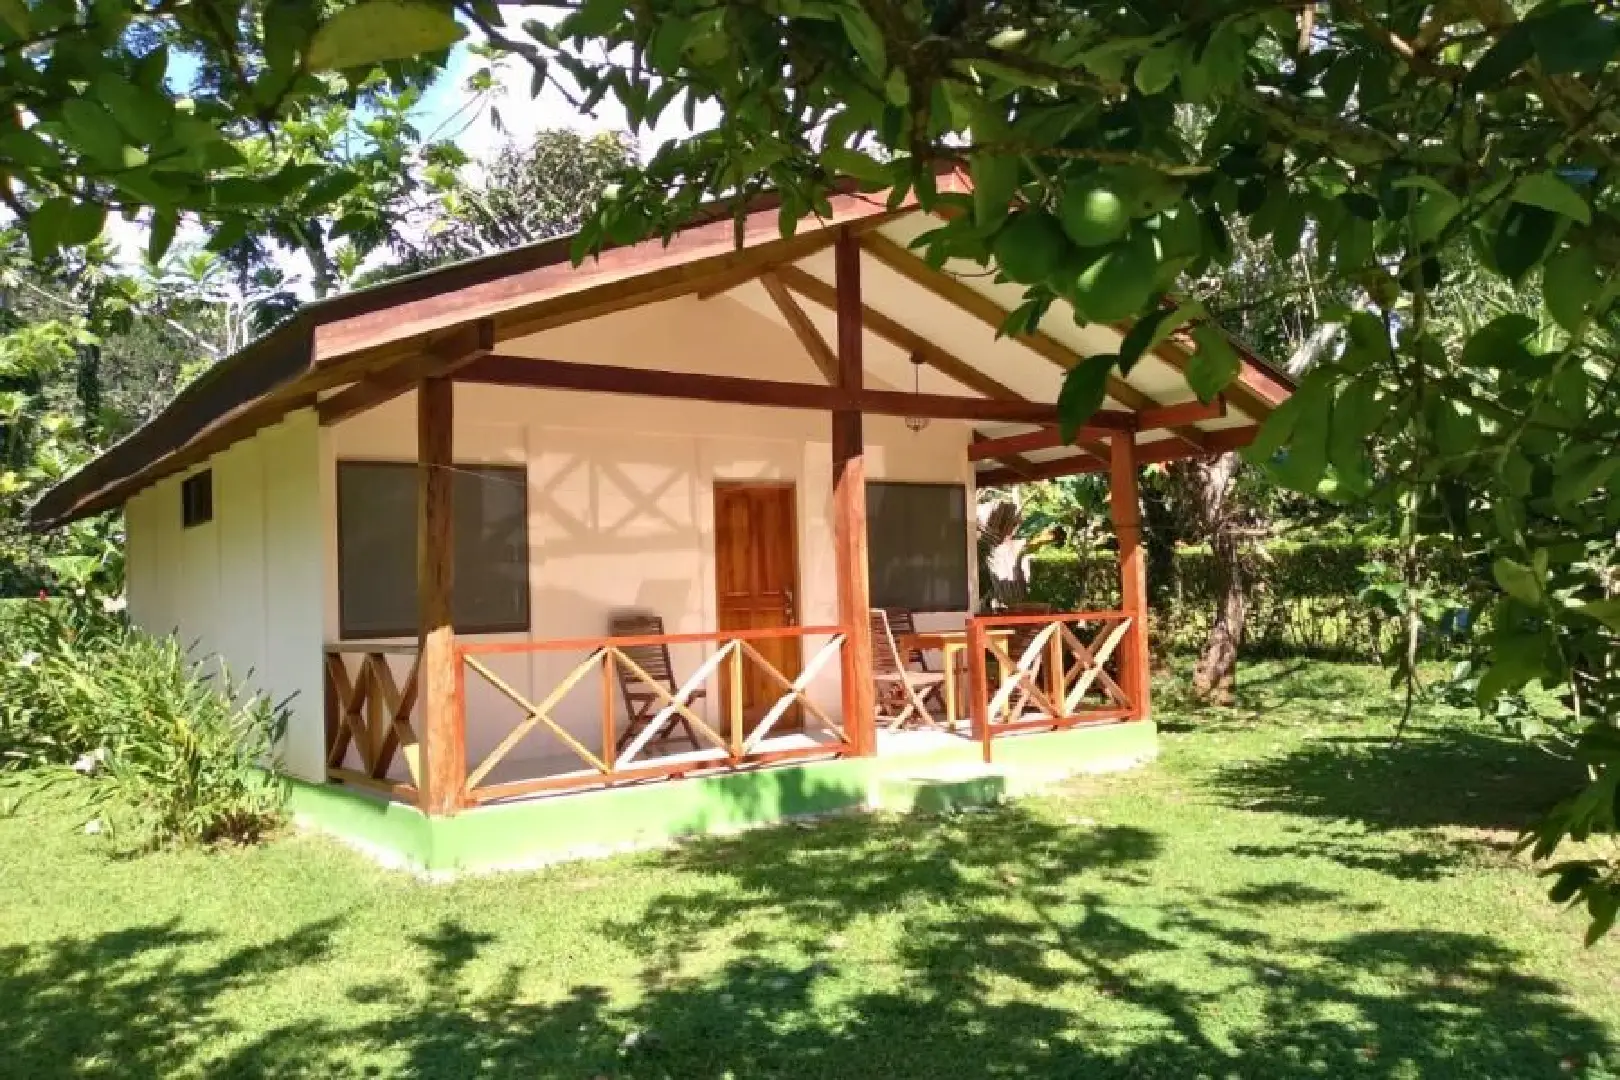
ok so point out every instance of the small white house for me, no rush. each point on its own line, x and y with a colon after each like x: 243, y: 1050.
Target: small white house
x: 416, y: 511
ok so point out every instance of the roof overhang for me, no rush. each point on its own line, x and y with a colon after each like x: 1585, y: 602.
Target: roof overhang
x: 360, y: 347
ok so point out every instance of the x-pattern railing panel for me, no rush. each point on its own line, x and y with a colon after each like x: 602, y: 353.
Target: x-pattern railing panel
x: 1055, y: 677
x: 731, y: 655
x: 371, y: 714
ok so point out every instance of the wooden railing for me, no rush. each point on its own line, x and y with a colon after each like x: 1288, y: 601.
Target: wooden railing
x: 1052, y: 671
x: 728, y: 741
x: 368, y: 717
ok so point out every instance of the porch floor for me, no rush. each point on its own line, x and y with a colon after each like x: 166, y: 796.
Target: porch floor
x: 919, y: 770
x: 563, y: 764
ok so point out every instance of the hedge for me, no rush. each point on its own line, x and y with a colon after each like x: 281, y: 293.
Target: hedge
x: 1303, y: 598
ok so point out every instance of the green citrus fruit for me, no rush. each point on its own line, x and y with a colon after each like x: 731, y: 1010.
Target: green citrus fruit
x: 1030, y: 247
x: 1118, y: 282
x: 1094, y: 214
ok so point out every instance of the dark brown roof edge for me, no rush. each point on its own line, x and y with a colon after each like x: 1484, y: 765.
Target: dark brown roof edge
x: 282, y: 355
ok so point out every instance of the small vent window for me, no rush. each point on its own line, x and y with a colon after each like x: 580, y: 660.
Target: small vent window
x: 197, y: 499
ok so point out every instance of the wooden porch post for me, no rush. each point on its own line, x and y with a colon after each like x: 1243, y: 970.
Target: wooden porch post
x: 1126, y: 509
x: 443, y: 734
x: 849, y: 509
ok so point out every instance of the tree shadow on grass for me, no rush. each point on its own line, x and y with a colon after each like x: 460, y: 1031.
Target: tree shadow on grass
x: 1019, y: 951
x: 1001, y: 944
x: 1438, y: 776
x: 128, y: 1002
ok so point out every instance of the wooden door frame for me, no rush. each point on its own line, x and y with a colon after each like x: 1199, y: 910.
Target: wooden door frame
x: 793, y: 720
x: 793, y: 538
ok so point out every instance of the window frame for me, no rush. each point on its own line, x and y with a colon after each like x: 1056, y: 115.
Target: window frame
x: 521, y: 624
x: 197, y: 511
x: 961, y: 492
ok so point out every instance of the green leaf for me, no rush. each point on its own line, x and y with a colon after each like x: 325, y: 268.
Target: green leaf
x: 1157, y: 68
x: 62, y: 223
x: 1546, y: 190
x: 865, y: 36
x: 1573, y: 38
x: 995, y: 182
x: 26, y: 148
x: 1213, y: 367
x: 1499, y: 344
x: 594, y: 18
x: 1606, y: 612
x: 327, y: 190
x: 161, y: 234
x: 1355, y: 414
x: 1518, y: 581
x: 1511, y: 52
x: 142, y: 113
x: 1217, y: 69
x: 1301, y: 468
x: 1436, y: 206
x: 1084, y: 389
x: 897, y: 88
x: 847, y: 162
x: 1275, y: 430
x: 1151, y: 330
x: 92, y: 129
x: 1569, y: 283
x: 373, y: 31
x: 14, y: 13
x: 1522, y: 239
x: 1574, y: 485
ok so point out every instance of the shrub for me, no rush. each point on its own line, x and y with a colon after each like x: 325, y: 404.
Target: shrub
x: 176, y: 747
x: 1303, y: 598
x: 187, y: 749
x: 39, y: 638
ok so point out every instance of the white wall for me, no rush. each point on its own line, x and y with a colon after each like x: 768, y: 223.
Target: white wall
x: 621, y: 491
x: 620, y: 516
x: 248, y: 586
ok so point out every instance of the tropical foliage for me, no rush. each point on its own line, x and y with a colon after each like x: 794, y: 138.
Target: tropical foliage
x: 177, y: 751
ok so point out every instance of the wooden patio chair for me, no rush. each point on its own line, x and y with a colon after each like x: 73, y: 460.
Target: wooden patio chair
x: 641, y: 701
x: 903, y: 624
x: 901, y: 692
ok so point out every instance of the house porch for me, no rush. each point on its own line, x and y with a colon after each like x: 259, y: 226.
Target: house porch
x: 913, y: 771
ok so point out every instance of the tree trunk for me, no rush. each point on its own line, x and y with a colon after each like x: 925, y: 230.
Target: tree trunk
x: 1215, y: 674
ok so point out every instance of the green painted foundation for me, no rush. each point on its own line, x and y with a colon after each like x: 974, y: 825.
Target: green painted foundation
x: 537, y: 831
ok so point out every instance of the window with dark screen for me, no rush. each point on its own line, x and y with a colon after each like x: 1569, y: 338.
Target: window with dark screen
x: 197, y: 499
x: 917, y: 545
x: 377, y: 549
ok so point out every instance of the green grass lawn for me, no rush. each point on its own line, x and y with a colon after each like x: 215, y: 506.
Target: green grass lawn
x: 1284, y: 893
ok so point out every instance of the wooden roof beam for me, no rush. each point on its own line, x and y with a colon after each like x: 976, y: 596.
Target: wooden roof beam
x: 987, y: 311
x: 1173, y: 416
x: 899, y: 335
x: 920, y: 348
x: 1046, y: 438
x: 506, y: 370
x: 814, y: 344
x: 1156, y: 452
x: 462, y: 346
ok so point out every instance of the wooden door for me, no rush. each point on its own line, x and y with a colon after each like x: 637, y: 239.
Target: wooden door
x: 756, y: 556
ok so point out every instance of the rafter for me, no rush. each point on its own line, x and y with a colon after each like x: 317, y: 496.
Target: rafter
x: 507, y: 370
x: 457, y: 349
x: 814, y: 344
x: 986, y: 310
x: 918, y: 347
x: 1155, y: 452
